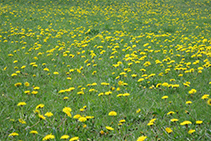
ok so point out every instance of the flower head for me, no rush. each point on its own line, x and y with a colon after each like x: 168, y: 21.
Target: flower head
x: 21, y: 104
x: 65, y: 137
x: 48, y: 137
x: 112, y: 113
x: 13, y: 134
x: 141, y: 138
x: 109, y: 128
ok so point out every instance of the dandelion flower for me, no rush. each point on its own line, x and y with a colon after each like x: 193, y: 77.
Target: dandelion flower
x: 33, y: 132
x: 109, y: 128
x: 165, y: 97
x: 40, y: 106
x: 138, y: 111
x: 48, y: 137
x: 209, y: 102
x: 168, y: 130
x: 112, y: 113
x: 191, y: 131
x: 74, y: 139
x: 21, y: 104
x: 186, y: 122
x: 174, y: 120
x: 141, y: 138
x: 26, y: 84
x: 205, y: 96
x: 67, y: 111
x: 13, y: 134
x: 65, y: 137
x: 82, y: 119
x: 41, y: 116
x: 48, y: 114
x: 199, y: 122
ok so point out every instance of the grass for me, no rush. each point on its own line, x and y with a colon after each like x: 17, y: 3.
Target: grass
x: 105, y: 70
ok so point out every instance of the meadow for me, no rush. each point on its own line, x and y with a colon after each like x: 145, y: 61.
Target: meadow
x: 105, y: 70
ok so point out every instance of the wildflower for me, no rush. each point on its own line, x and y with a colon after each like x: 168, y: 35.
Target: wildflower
x: 170, y: 113
x: 22, y: 121
x: 21, y: 104
x: 48, y: 114
x: 186, y: 122
x: 33, y: 132
x: 55, y: 73
x: 40, y: 106
x: 205, y: 96
x: 165, y: 97
x: 199, y: 122
x: 13, y: 134
x: 26, y: 84
x: 168, y: 130
x: 67, y: 111
x: 34, y: 92
x: 102, y: 132
x: 188, y: 102
x: 36, y: 88
x: 65, y: 98
x: 209, y: 102
x: 191, y: 131
x: 82, y: 119
x: 18, y: 84
x: 122, y: 121
x: 74, y: 139
x: 192, y: 91
x: 77, y: 116
x: 174, y: 120
x: 65, y: 137
x: 48, y: 137
x: 109, y: 128
x: 112, y: 113
x: 138, y: 111
x: 41, y: 116
x: 141, y: 138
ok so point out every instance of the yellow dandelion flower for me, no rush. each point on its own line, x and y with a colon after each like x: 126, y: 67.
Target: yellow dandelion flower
x: 48, y: 137
x: 48, y: 114
x: 82, y: 119
x: 199, y: 122
x: 205, y: 96
x: 168, y: 130
x: 67, y: 111
x: 174, y: 120
x: 22, y: 121
x: 33, y: 132
x: 40, y: 106
x: 191, y: 131
x: 209, y: 102
x: 165, y: 97
x: 74, y: 139
x: 65, y: 137
x: 21, y: 104
x: 186, y: 122
x: 141, y: 138
x: 109, y: 128
x: 41, y: 116
x: 13, y: 134
x: 26, y: 84
x: 138, y: 111
x: 112, y: 113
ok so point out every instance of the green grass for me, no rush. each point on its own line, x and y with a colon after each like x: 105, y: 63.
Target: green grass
x: 57, y: 45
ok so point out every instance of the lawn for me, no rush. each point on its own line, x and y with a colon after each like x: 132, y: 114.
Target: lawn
x: 105, y: 70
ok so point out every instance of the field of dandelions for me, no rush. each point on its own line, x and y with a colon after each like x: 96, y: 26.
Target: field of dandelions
x: 105, y: 70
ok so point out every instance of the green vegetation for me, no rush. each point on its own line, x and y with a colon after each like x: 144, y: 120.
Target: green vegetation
x: 105, y: 70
